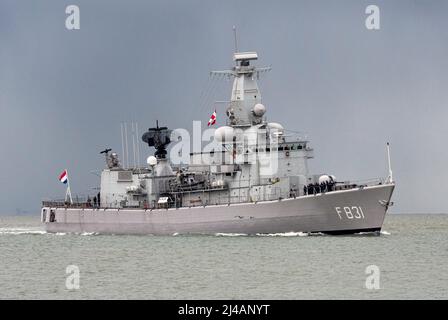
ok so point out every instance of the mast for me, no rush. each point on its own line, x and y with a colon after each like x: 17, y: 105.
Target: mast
x: 236, y: 42
x: 245, y: 92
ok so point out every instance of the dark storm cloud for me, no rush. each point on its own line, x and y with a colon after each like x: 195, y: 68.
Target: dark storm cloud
x: 64, y: 93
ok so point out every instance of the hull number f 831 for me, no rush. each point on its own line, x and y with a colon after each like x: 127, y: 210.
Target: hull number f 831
x: 349, y: 212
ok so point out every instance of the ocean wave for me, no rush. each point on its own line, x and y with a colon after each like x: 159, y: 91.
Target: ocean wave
x: 75, y: 233
x: 280, y: 234
x: 368, y: 233
x: 37, y: 231
x: 19, y: 231
x: 285, y: 234
x: 88, y: 234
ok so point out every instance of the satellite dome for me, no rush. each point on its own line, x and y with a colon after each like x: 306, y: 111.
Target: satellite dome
x: 275, y: 125
x: 224, y: 134
x: 259, y: 110
x: 277, y: 128
x: 152, y: 161
x: 324, y: 178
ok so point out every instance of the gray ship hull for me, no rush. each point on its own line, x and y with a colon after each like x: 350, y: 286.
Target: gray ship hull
x: 338, y: 212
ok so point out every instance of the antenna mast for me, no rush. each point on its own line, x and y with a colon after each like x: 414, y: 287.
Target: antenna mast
x: 126, y: 144
x: 133, y: 143
x: 235, y: 38
x: 138, y: 145
x: 236, y: 41
x: 122, y: 144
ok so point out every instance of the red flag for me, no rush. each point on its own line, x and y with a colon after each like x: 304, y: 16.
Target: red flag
x: 212, y: 120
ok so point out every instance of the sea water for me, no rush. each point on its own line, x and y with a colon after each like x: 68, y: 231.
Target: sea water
x: 408, y: 260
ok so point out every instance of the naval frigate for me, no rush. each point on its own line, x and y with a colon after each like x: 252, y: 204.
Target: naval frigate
x: 255, y: 180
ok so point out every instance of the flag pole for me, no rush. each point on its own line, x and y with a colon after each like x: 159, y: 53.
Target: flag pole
x: 389, y: 177
x: 68, y: 191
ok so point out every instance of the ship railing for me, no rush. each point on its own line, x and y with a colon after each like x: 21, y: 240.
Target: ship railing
x: 362, y: 183
x: 79, y: 202
x: 295, y: 136
x: 278, y: 193
x: 243, y: 196
x: 340, y: 186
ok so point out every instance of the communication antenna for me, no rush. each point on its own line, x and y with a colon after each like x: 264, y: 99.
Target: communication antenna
x: 122, y: 144
x: 126, y: 144
x: 138, y: 145
x: 133, y: 142
x: 236, y: 42
x: 235, y: 38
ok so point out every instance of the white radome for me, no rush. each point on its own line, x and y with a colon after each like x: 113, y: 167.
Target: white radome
x: 152, y: 161
x: 324, y: 178
x: 276, y: 128
x: 259, y: 110
x: 224, y: 134
x: 275, y: 125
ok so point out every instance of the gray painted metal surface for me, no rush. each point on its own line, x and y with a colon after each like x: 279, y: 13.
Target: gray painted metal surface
x: 326, y: 212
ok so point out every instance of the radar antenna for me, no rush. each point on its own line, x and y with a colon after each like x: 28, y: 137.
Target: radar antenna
x: 111, y: 159
x: 159, y: 138
x: 106, y: 151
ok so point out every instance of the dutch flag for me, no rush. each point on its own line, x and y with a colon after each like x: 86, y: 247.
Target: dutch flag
x: 63, y: 177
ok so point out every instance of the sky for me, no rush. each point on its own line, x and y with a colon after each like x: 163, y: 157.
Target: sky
x: 64, y: 93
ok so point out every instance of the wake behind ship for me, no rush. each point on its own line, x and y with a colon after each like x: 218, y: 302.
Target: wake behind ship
x: 254, y: 180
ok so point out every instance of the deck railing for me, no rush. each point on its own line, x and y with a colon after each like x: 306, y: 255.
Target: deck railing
x: 244, y: 197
